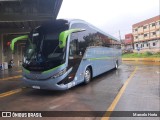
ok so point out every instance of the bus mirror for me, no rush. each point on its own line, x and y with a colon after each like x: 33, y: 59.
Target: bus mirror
x: 63, y: 36
x: 17, y: 39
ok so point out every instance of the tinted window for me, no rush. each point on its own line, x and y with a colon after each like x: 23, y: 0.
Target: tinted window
x: 91, y: 37
x: 42, y: 51
x: 74, y: 45
x: 81, y: 39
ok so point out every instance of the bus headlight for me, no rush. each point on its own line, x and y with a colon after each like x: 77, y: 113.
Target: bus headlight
x: 60, y: 73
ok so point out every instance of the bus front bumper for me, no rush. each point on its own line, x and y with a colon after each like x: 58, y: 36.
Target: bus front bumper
x: 50, y: 84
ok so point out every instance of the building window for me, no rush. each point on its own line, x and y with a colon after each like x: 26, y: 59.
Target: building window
x: 153, y: 33
x: 136, y: 45
x: 135, y: 30
x: 141, y: 45
x: 144, y: 27
x: 158, y: 23
x: 145, y: 35
x: 154, y: 44
x: 147, y: 44
x: 153, y: 24
x: 136, y: 37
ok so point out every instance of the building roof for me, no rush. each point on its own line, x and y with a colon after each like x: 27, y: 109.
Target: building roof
x: 20, y: 14
x: 153, y: 19
x: 128, y: 34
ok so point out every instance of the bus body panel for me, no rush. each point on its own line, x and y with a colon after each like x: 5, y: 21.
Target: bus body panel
x: 100, y: 63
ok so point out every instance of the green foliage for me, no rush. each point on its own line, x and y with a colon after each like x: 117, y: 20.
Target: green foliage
x: 147, y: 54
x: 141, y: 55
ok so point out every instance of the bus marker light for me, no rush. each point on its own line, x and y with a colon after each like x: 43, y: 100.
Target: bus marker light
x: 70, y: 77
x: 60, y: 73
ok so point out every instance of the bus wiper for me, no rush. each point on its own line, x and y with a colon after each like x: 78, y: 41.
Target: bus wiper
x: 41, y: 45
x: 53, y: 51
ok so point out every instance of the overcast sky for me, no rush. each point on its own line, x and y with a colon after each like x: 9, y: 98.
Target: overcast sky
x: 110, y: 15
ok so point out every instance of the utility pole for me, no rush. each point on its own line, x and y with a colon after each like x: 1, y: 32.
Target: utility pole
x: 120, y: 37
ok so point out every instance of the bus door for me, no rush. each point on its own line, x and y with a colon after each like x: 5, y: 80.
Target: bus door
x: 75, y: 57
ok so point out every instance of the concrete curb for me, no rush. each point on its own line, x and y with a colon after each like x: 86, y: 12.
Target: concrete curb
x: 142, y: 59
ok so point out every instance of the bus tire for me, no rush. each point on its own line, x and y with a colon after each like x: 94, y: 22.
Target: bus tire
x: 116, y: 65
x: 87, y: 76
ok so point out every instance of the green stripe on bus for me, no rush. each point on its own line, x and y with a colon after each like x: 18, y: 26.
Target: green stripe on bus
x: 26, y: 71
x: 51, y: 69
x: 102, y: 58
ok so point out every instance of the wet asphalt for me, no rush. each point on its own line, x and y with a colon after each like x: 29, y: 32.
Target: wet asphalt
x: 141, y: 94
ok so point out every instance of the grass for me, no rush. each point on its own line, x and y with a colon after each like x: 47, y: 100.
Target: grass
x: 141, y: 55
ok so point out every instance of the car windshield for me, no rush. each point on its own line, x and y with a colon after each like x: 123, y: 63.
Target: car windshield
x: 43, y: 51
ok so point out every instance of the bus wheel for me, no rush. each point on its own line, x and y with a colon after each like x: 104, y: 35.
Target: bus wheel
x: 87, y: 76
x: 116, y: 65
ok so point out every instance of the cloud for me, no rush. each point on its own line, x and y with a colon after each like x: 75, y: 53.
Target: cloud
x: 110, y: 15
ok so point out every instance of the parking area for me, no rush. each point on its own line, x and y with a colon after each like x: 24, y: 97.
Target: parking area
x: 134, y: 86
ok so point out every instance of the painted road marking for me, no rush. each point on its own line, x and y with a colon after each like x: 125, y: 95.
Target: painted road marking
x: 11, y: 92
x: 53, y: 107
x: 117, y: 98
x: 9, y: 78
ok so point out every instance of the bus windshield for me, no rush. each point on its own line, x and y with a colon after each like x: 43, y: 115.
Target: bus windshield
x: 43, y: 51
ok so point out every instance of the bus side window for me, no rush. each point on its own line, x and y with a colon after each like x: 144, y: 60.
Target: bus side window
x: 72, y: 49
x: 73, y: 45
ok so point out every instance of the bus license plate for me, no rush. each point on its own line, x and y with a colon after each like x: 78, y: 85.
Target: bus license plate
x: 36, y: 87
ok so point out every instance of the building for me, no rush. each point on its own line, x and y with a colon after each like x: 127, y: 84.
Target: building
x: 146, y: 35
x: 128, y: 43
